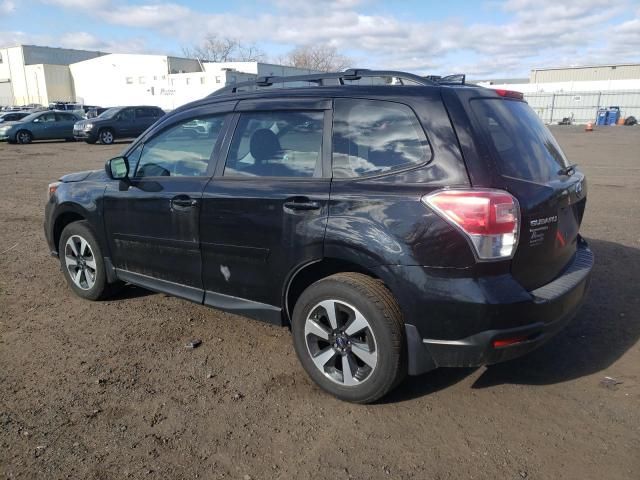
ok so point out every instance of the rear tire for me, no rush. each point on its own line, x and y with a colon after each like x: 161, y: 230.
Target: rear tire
x: 358, y: 355
x: 82, y: 262
x: 106, y: 136
x: 24, y: 137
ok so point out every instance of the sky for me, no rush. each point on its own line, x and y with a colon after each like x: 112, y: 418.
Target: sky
x: 482, y: 38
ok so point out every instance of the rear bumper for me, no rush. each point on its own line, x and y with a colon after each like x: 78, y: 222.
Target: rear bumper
x: 549, y: 309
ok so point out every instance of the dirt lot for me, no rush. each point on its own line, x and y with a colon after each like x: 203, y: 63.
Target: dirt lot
x: 108, y: 391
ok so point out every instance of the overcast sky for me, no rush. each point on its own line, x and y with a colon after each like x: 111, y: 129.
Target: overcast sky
x: 481, y: 38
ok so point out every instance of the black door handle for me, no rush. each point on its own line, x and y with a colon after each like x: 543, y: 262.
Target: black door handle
x: 182, y: 202
x: 301, y: 203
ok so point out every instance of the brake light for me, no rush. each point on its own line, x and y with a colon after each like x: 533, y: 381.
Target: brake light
x: 490, y: 219
x: 509, y: 93
x: 505, y: 342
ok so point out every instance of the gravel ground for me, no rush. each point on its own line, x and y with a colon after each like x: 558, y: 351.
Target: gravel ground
x: 107, y: 390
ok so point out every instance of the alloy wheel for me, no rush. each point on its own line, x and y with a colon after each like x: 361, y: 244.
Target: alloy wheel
x: 80, y: 262
x: 341, y: 342
x: 24, y: 137
x: 106, y: 137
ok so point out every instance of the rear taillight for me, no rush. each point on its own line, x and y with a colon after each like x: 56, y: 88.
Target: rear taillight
x: 490, y: 219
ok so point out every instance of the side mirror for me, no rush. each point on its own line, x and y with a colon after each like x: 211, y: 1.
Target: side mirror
x: 117, y: 168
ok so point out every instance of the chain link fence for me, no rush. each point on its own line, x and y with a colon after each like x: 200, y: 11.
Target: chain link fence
x: 582, y: 107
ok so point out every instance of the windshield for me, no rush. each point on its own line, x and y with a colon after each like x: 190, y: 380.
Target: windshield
x: 109, y: 113
x: 523, y: 146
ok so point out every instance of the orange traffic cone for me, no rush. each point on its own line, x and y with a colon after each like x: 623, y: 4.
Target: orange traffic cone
x: 589, y: 127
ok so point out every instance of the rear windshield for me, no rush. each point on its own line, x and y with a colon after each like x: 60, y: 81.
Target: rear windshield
x: 522, y: 145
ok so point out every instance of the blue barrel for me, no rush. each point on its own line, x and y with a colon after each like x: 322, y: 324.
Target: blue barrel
x: 613, y: 114
x: 601, y: 118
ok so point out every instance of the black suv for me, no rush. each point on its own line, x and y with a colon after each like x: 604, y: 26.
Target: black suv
x: 116, y: 122
x: 395, y: 223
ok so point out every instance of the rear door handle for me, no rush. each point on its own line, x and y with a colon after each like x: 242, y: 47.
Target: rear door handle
x: 182, y: 202
x: 301, y: 204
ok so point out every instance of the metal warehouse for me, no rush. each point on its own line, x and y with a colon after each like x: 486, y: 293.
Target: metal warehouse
x: 578, y: 92
x: 587, y: 73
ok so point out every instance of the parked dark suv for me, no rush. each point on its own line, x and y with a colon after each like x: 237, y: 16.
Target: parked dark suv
x: 395, y: 227
x: 116, y: 122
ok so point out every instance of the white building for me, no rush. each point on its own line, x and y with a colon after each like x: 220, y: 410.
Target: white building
x: 33, y: 74
x: 131, y: 79
x: 166, y: 82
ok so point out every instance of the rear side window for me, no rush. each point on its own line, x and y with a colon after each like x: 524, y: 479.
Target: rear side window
x: 372, y: 137
x: 182, y: 150
x: 147, y: 112
x: 276, y: 144
x: 522, y: 145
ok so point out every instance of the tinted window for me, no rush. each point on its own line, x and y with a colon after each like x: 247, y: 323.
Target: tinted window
x: 182, y: 150
x: 276, y: 144
x: 12, y: 116
x: 126, y: 115
x: 523, y: 147
x: 146, y: 113
x: 65, y: 117
x: 371, y: 137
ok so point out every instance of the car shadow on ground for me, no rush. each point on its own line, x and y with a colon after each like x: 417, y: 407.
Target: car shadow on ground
x: 604, y: 329
x: 129, y: 291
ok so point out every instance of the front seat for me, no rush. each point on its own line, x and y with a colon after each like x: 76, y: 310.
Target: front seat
x: 265, y: 147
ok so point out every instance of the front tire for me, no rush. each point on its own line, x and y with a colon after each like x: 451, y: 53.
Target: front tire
x: 348, y: 333
x: 106, y: 136
x: 82, y: 262
x: 23, y: 137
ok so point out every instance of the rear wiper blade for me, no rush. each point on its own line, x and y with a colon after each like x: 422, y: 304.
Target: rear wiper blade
x: 569, y: 170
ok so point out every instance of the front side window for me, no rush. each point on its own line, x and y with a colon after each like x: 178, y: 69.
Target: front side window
x: 47, y: 117
x: 126, y: 115
x: 276, y: 144
x: 372, y: 137
x: 182, y: 150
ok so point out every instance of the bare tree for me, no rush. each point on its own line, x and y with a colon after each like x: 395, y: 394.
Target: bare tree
x: 249, y: 53
x: 317, y: 57
x: 225, y: 49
